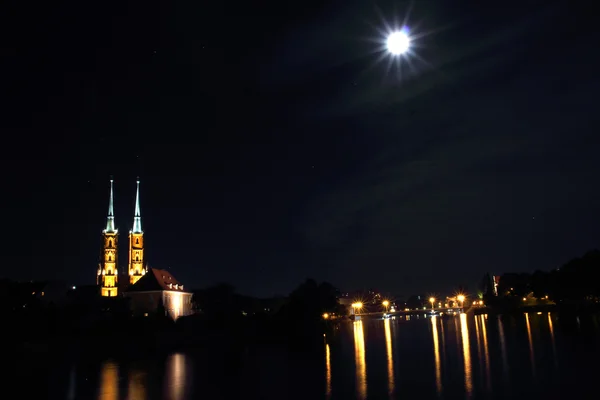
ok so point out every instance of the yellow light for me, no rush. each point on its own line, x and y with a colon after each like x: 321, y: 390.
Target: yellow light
x: 385, y: 303
x: 357, y: 305
x: 524, y: 298
x: 461, y: 297
x: 432, y: 299
x: 109, y: 381
x: 464, y: 332
x: 436, y: 352
x: 390, y: 360
x: 360, y: 362
x: 325, y: 316
x: 328, y: 369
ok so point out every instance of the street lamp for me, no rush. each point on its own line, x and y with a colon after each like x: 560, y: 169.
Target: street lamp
x: 385, y: 303
x: 461, y: 299
x: 325, y: 316
x: 357, y: 306
x: 432, y: 300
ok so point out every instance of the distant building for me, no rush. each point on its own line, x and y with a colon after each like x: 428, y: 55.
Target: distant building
x: 156, y: 289
x: 496, y: 282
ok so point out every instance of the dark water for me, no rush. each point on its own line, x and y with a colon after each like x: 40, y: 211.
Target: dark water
x: 535, y: 355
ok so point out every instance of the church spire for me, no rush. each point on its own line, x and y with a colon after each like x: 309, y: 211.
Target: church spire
x: 137, y: 218
x: 136, y: 267
x: 110, y: 220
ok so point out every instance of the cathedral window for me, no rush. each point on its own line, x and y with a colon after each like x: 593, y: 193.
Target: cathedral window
x: 137, y: 258
x: 110, y: 243
x: 137, y: 241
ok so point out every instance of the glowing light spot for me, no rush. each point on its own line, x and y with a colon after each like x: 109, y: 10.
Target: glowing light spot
x: 398, y: 43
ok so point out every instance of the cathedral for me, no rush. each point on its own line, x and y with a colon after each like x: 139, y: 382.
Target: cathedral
x: 147, y: 288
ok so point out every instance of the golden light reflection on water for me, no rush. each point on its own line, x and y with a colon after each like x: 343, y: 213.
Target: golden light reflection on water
x: 443, y: 341
x: 109, y: 381
x: 503, y: 347
x: 436, y: 354
x: 359, y: 355
x: 464, y: 331
x: 327, y: 371
x: 479, y: 350
x: 175, y: 377
x: 531, y: 355
x: 390, y: 356
x: 554, y: 356
x: 486, y: 352
x: 136, y: 388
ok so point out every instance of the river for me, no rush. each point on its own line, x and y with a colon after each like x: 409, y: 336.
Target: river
x: 528, y: 356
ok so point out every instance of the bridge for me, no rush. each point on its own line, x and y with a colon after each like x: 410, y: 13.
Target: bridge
x: 439, y: 310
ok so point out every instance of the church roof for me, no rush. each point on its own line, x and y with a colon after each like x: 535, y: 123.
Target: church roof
x: 156, y: 279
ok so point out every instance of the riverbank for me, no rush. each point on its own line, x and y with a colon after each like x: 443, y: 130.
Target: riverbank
x: 563, y: 308
x: 147, y: 335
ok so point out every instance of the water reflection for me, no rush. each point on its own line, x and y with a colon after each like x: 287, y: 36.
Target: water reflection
x: 551, y: 327
x: 175, y: 386
x: 486, y: 351
x: 109, y: 381
x: 436, y: 354
x: 464, y: 330
x: 478, y: 338
x: 327, y: 371
x: 531, y: 355
x: 72, y: 390
x: 443, y: 342
x: 503, y: 347
x: 359, y: 354
x: 390, y: 357
x: 136, y: 387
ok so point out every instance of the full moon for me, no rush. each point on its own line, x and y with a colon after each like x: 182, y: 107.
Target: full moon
x: 398, y: 43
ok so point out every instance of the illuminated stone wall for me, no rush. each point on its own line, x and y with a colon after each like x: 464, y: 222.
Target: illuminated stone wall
x: 176, y: 303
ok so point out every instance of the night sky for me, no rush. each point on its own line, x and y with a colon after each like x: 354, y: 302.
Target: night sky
x: 272, y: 146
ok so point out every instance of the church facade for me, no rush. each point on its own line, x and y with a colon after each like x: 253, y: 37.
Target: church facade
x: 148, y: 289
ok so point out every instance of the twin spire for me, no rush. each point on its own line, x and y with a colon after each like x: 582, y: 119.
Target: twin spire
x: 110, y: 221
x: 137, y: 218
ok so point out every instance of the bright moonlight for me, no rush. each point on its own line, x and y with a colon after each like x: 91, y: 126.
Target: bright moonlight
x: 398, y: 43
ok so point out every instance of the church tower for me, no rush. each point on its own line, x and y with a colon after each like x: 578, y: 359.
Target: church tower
x: 107, y: 270
x: 137, y: 268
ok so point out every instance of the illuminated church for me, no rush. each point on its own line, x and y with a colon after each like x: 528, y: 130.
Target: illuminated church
x: 147, y: 288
